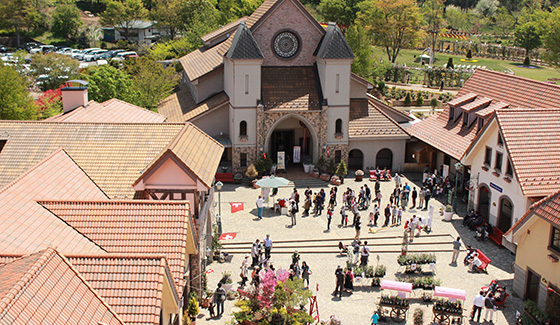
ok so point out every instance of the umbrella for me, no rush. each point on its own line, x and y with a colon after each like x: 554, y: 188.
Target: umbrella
x: 272, y: 182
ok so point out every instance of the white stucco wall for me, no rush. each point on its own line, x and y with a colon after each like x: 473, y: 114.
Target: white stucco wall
x: 209, y: 85
x: 329, y: 72
x: 334, y: 114
x: 357, y: 90
x: 243, y: 114
x: 243, y: 82
x: 371, y: 147
x: 511, y: 190
x: 214, y: 122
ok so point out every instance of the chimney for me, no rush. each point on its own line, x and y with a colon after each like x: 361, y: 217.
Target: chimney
x: 74, y: 96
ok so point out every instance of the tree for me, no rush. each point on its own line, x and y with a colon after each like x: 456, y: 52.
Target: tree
x: 450, y: 64
x: 342, y: 12
x: 15, y: 101
x: 487, y: 8
x: 52, y: 70
x: 469, y: 54
x: 528, y: 37
x: 16, y: 14
x: 432, y: 11
x: 66, y: 21
x: 168, y: 16
x: 122, y: 15
x: 106, y: 82
x: 457, y: 18
x: 151, y: 81
x: 551, y: 39
x: 230, y: 10
x: 49, y: 103
x: 363, y: 50
x: 392, y: 24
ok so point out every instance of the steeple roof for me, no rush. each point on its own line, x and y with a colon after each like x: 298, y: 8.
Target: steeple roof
x: 334, y: 45
x: 244, y: 45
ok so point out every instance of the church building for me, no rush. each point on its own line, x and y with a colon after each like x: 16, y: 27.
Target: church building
x: 278, y: 83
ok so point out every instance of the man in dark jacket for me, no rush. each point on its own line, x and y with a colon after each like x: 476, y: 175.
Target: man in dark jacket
x: 387, y: 215
x: 339, y: 281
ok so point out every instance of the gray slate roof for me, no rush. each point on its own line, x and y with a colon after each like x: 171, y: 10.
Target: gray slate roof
x: 334, y: 45
x: 244, y: 45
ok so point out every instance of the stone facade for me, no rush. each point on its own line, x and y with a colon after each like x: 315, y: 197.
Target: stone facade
x: 331, y: 150
x: 236, y: 157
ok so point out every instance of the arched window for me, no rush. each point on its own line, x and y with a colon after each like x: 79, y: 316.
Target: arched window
x: 338, y: 126
x: 243, y: 129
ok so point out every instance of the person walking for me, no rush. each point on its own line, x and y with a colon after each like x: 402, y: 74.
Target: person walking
x: 295, y: 197
x: 260, y: 203
x: 267, y: 246
x: 397, y: 180
x: 375, y: 317
x: 344, y: 220
x: 375, y: 215
x: 413, y: 196
x: 387, y: 215
x: 397, y: 195
x: 478, y: 303
x: 364, y: 251
x: 404, y: 199
x: 399, y: 216
x: 245, y: 270
x: 329, y: 218
x: 220, y: 297
x: 293, y: 211
x: 456, y: 249
x: 394, y: 215
x: 357, y: 226
x: 490, y: 306
x: 305, y: 273
x: 255, y: 252
x: 339, y: 274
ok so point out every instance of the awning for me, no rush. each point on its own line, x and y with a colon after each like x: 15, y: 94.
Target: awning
x: 450, y: 293
x: 396, y: 285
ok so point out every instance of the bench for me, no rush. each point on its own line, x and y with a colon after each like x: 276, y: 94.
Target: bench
x: 503, y: 302
x: 485, y: 261
x: 496, y: 236
x: 224, y: 177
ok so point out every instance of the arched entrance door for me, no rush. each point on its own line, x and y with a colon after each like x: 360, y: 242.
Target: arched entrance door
x: 288, y: 132
x: 355, y: 159
x: 505, y: 214
x: 484, y: 202
x: 384, y: 159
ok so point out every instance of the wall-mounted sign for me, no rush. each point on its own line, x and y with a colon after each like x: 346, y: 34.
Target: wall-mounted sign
x: 281, y: 160
x: 297, y: 154
x: 496, y: 187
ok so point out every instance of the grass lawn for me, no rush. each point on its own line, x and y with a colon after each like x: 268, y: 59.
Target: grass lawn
x: 536, y: 73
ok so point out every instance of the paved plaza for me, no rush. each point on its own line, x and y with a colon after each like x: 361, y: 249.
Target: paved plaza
x: 318, y: 248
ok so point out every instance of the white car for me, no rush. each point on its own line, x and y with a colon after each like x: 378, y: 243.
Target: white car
x: 74, y: 53
x: 82, y: 55
x: 99, y: 54
x: 91, y: 55
x: 64, y: 51
x: 124, y: 55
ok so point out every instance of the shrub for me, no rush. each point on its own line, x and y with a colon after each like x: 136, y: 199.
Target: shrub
x: 263, y: 165
x: 527, y: 61
x: 192, y: 306
x: 418, y: 317
x: 469, y: 54
x: 407, y: 100
x: 381, y: 86
x: 450, y: 64
x: 420, y: 101
x: 341, y: 169
x: 433, y: 103
x: 251, y: 171
x: 331, y: 167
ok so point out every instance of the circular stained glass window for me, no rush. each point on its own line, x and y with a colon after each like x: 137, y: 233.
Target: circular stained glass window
x: 286, y: 45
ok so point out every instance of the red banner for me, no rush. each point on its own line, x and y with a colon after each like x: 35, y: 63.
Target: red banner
x: 236, y: 206
x: 227, y: 236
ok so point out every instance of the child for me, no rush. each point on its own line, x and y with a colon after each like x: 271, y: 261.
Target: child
x: 344, y: 220
x: 370, y: 218
x: 374, y: 317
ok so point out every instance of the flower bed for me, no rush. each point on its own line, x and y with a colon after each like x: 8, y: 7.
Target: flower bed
x: 448, y: 307
x: 410, y: 259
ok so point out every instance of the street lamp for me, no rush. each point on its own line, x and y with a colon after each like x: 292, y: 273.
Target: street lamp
x: 219, y: 186
x: 458, y: 169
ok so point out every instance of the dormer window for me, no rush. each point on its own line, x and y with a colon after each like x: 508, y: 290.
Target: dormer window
x: 451, y: 113
x: 465, y: 118
x: 480, y: 124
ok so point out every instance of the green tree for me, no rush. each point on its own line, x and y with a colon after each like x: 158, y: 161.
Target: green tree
x: 122, y: 15
x: 551, y: 39
x: 432, y: 12
x: 66, y: 21
x: 15, y: 101
x: 151, y: 81
x: 528, y: 36
x: 363, y: 50
x: 457, y: 18
x: 52, y: 70
x: 392, y: 24
x: 342, y: 12
x: 167, y: 14
x: 16, y: 14
x: 450, y: 64
x: 106, y: 82
x: 230, y: 10
x: 487, y: 8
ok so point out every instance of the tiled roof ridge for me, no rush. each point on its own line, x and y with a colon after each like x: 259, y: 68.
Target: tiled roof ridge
x: 370, y: 104
x: 519, y: 77
x: 219, y: 30
x: 528, y: 109
x: 120, y: 201
x: 175, y: 140
x: 116, y: 256
x: 396, y: 111
x: 86, y: 123
x: 112, y: 100
x: 26, y: 278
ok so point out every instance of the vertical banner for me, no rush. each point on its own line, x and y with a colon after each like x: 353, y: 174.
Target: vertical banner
x: 265, y: 192
x: 445, y: 172
x: 297, y: 154
x: 281, y: 160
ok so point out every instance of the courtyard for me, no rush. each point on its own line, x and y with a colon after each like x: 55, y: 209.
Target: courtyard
x: 319, y: 248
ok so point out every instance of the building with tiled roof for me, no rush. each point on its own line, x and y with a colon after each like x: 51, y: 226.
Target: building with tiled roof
x: 537, y: 236
x: 44, y: 288
x: 514, y: 167
x: 277, y: 83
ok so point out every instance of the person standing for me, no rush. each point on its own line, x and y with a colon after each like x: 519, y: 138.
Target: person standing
x: 267, y: 246
x: 305, y: 273
x: 456, y: 249
x: 478, y: 303
x: 365, y: 254
x: 329, y: 218
x: 339, y: 274
x: 260, y: 203
x: 220, y: 297
x: 375, y: 317
x: 255, y: 252
x: 358, y: 226
x: 404, y: 199
x: 344, y: 220
x: 375, y: 215
x: 413, y: 196
x: 399, y: 216
x: 397, y: 194
x: 368, y: 193
x: 295, y: 197
x: 293, y: 211
x: 245, y: 270
x: 397, y: 180
x: 387, y: 215
x: 421, y: 196
x: 394, y: 215
x: 427, y: 197
x: 490, y: 306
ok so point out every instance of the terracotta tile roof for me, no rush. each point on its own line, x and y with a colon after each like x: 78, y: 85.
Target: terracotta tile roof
x: 131, y: 285
x: 25, y: 226
x: 485, y: 112
x: 133, y: 226
x: 478, y: 103
x: 547, y: 208
x: 181, y: 107
x: 231, y: 27
x: 533, y: 143
x: 290, y: 88
x: 201, y: 61
x: 369, y: 121
x: 111, y: 111
x: 462, y: 99
x: 43, y: 288
x: 113, y: 155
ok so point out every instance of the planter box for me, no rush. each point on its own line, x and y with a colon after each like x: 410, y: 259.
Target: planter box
x: 447, y: 216
x: 359, y: 178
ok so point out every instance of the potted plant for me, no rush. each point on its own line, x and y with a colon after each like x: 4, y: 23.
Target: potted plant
x: 237, y: 177
x: 251, y: 173
x: 448, y: 213
x: 335, y: 180
x: 341, y: 171
x: 192, y: 307
x: 380, y: 271
x: 359, y: 175
x: 418, y: 317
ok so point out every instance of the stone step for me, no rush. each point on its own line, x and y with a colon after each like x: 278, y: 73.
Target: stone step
x: 304, y: 183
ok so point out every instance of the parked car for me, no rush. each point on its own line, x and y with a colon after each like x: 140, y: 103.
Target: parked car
x: 42, y: 49
x: 31, y: 45
x: 74, y: 53
x: 125, y: 55
x: 99, y: 54
x: 91, y: 56
x: 80, y: 56
x: 111, y: 54
x: 64, y: 50
x: 3, y: 49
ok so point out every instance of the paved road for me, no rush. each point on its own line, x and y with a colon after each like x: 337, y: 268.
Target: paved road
x: 355, y: 308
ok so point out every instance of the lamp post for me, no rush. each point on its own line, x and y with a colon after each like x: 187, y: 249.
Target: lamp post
x: 219, y: 186
x: 458, y: 169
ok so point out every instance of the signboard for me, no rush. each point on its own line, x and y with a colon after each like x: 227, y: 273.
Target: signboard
x: 236, y: 206
x: 496, y: 187
x: 445, y: 171
x: 227, y: 236
x: 281, y: 160
x: 297, y: 154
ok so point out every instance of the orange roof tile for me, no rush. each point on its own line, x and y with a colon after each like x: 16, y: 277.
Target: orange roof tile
x: 25, y: 226
x: 369, y: 121
x: 134, y: 226
x: 533, y: 143
x: 111, y: 111
x: 181, y: 107
x: 43, y: 288
x: 131, y: 285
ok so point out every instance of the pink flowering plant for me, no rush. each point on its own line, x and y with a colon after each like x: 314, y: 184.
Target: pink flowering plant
x: 276, y: 298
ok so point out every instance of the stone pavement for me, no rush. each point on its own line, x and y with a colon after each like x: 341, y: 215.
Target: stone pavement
x: 355, y: 308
